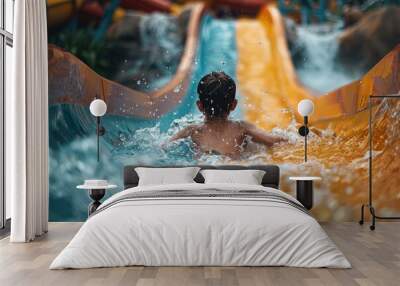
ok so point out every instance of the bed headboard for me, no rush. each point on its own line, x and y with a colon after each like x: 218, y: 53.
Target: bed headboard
x: 270, y: 179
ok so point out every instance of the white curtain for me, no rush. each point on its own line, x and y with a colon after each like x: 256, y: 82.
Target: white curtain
x: 27, y: 124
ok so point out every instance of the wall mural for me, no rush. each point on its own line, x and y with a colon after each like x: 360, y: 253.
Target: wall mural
x: 146, y: 58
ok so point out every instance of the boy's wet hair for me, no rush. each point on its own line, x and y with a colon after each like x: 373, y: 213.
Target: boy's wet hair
x: 217, y: 92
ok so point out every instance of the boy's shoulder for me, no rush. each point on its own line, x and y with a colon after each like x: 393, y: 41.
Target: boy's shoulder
x: 190, y: 129
x: 193, y: 127
x: 248, y: 127
x: 245, y: 125
x: 185, y: 132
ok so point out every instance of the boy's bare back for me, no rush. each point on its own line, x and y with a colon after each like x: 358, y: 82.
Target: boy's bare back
x: 225, y: 137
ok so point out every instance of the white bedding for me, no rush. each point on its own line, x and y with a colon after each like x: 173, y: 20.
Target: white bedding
x: 183, y: 231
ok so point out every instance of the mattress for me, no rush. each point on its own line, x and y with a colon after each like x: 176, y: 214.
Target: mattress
x: 201, y: 225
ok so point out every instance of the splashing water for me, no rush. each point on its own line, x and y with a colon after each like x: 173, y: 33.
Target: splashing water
x: 319, y: 69
x: 339, y: 159
x: 155, y: 59
x: 128, y: 140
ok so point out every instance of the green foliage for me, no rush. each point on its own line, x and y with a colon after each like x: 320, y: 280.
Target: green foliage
x: 80, y: 43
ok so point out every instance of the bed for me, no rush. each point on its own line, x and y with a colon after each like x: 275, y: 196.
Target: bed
x: 199, y: 224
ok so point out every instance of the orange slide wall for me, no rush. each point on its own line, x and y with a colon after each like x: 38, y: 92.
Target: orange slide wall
x: 338, y: 143
x: 83, y: 84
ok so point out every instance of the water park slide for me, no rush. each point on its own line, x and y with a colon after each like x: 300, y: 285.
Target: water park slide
x: 73, y: 82
x: 270, y: 91
x: 338, y: 145
x: 264, y: 67
x: 265, y: 72
x: 268, y: 79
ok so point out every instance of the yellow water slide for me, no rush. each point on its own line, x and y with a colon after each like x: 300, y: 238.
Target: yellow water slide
x: 265, y: 72
x: 338, y: 145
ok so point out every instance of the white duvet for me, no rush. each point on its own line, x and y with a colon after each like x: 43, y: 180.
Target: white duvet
x: 200, y: 231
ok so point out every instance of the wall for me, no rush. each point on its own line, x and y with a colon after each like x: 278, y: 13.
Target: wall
x: 147, y: 67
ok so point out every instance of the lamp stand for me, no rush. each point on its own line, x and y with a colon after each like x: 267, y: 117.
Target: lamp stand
x: 303, y: 131
x: 100, y: 130
x: 370, y: 203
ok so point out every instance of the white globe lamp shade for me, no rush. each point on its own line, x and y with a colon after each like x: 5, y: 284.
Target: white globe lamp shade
x: 305, y: 107
x: 98, y: 107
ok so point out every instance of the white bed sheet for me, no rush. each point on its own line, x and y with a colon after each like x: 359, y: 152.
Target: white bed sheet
x: 200, y: 231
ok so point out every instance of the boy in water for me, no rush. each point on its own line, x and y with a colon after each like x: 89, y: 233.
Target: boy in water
x: 218, y: 134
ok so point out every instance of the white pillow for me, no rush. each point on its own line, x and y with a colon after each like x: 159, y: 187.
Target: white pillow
x: 166, y: 176
x: 248, y: 177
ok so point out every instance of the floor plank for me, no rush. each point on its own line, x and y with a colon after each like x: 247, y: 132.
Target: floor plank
x: 375, y: 257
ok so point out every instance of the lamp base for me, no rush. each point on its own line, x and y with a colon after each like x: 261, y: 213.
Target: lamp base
x: 96, y: 195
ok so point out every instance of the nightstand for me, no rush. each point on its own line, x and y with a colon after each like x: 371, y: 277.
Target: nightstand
x: 304, y: 190
x: 96, y: 190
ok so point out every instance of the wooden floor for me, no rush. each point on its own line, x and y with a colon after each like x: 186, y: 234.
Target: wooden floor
x: 375, y: 257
